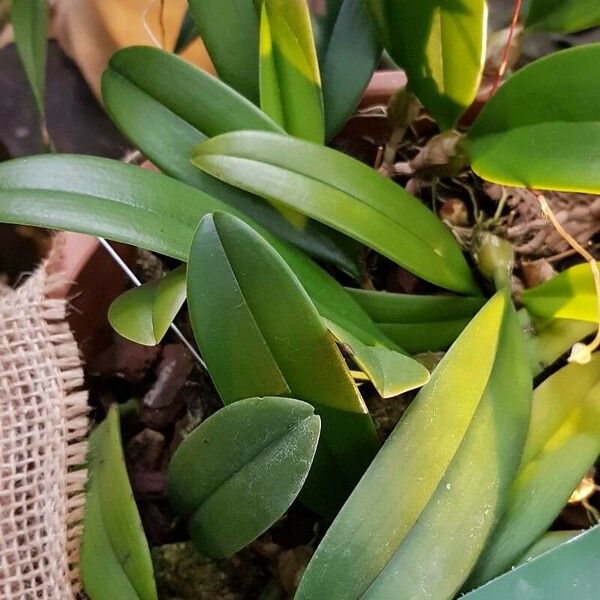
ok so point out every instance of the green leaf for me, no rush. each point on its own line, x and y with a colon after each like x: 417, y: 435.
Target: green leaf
x: 240, y: 470
x: 187, y: 33
x: 241, y: 299
x: 522, y: 139
x: 343, y: 193
x: 388, y: 307
x: 440, y: 45
x: 548, y: 340
x: 146, y: 85
x: 208, y: 105
x: 569, y: 295
x: 348, y: 53
x: 145, y: 313
x: 562, y: 16
x: 229, y: 31
x: 418, y: 520
x: 125, y: 203
x: 29, y: 19
x: 424, y: 337
x: 548, y: 542
x: 115, y: 557
x: 569, y: 571
x: 290, y: 83
x: 392, y: 373
x: 418, y: 323
x: 562, y: 444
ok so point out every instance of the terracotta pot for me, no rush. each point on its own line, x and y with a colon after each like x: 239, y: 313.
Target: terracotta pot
x: 372, y: 124
x: 382, y: 86
x: 92, y: 281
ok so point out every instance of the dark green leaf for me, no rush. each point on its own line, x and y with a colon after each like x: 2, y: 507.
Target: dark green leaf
x: 204, y: 102
x: 187, y: 34
x: 387, y: 307
x: 548, y: 542
x: 418, y: 323
x: 432, y: 336
x: 241, y: 298
x: 343, y: 193
x: 240, y: 470
x: 569, y: 295
x: 145, y: 313
x: 569, y: 571
x: 349, y: 52
x: 562, y: 444
x: 30, y: 22
x: 564, y: 16
x: 290, y: 83
x: 418, y: 520
x: 115, y: 557
x: 522, y: 139
x: 229, y: 31
x: 148, y: 210
x: 146, y: 85
x: 441, y: 46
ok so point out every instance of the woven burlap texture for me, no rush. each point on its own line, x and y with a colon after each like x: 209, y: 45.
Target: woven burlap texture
x: 43, y: 424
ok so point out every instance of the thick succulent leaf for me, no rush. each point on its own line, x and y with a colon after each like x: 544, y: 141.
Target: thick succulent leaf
x: 290, y: 83
x: 388, y: 307
x: 418, y: 323
x: 188, y: 32
x: 145, y: 313
x: 569, y: 295
x: 418, y: 520
x: 548, y: 340
x: 440, y: 45
x: 240, y: 297
x: 563, y: 16
x: 392, y: 373
x: 424, y: 337
x: 229, y: 31
x: 115, y: 559
x: 102, y: 575
x: 548, y: 542
x: 343, y: 193
x: 349, y: 51
x: 569, y: 571
x: 128, y: 204
x: 562, y: 444
x: 29, y: 19
x: 206, y: 103
x: 240, y: 470
x: 146, y: 85
x: 521, y: 139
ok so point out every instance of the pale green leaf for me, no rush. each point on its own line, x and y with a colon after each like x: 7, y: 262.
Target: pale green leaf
x: 290, y: 83
x: 343, y: 193
x: 562, y: 443
x: 417, y: 522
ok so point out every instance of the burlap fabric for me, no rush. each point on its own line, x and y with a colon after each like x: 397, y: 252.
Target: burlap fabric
x: 43, y: 424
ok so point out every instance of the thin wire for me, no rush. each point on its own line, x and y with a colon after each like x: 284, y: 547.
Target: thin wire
x: 125, y: 268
